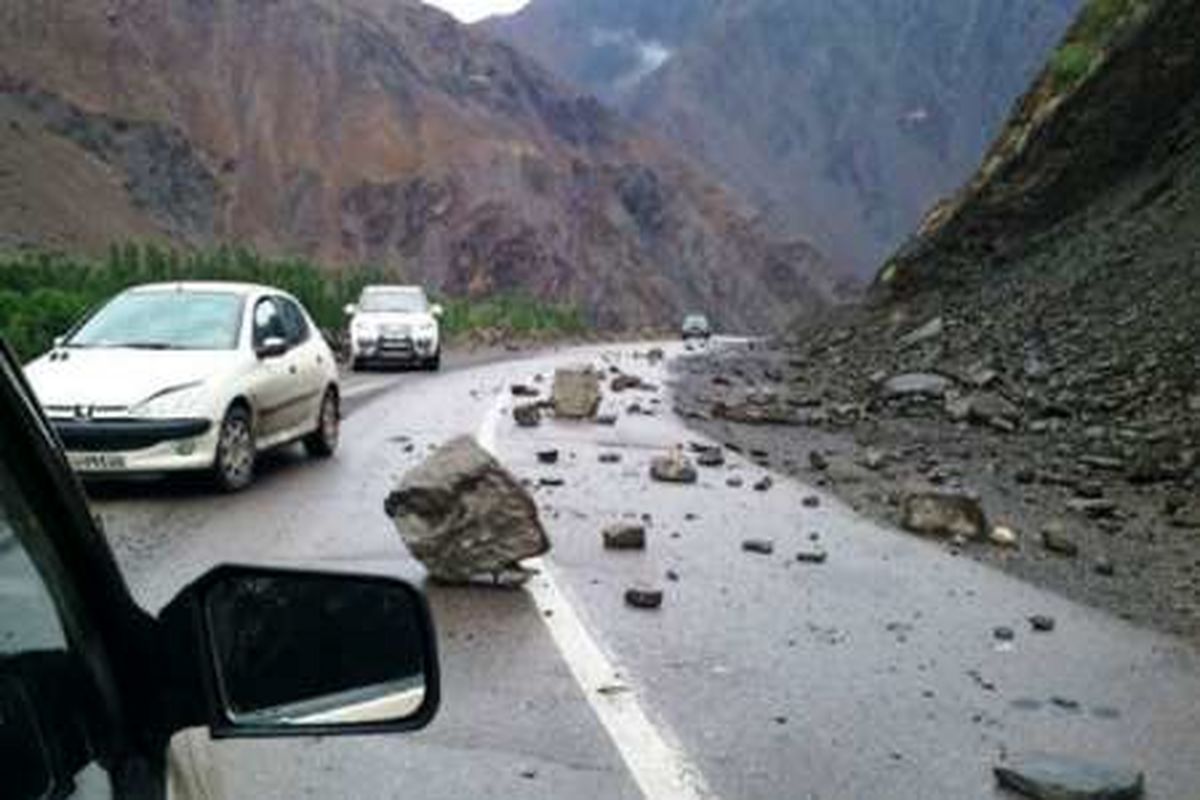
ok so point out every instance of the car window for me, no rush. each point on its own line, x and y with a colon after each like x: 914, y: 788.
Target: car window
x: 166, y: 320
x: 268, y: 321
x: 294, y: 321
x: 34, y: 657
x: 395, y: 301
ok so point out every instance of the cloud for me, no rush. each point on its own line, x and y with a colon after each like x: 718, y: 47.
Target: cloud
x: 474, y: 10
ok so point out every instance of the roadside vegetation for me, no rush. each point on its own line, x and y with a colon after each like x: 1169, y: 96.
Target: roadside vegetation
x: 1097, y: 26
x: 43, y: 294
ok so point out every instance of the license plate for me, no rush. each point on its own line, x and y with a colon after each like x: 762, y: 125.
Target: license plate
x: 96, y: 462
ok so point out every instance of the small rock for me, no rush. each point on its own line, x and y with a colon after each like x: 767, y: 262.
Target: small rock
x: 1050, y: 777
x: 520, y: 390
x: 610, y: 458
x: 551, y: 482
x: 605, y: 419
x: 672, y: 576
x: 818, y: 461
x: 527, y: 415
x: 916, y: 385
x: 711, y: 456
x: 763, y: 547
x: 764, y: 484
x: 812, y: 556
x: 1105, y: 568
x: 548, y: 456
x: 643, y: 598
x: 811, y: 501
x: 622, y: 382
x: 1042, y: 623
x: 873, y: 459
x: 1003, y: 536
x: 1003, y: 634
x: 1056, y: 541
x: 930, y: 330
x: 734, y: 482
x: 675, y: 468
x: 943, y: 514
x: 624, y: 537
x: 1093, y: 508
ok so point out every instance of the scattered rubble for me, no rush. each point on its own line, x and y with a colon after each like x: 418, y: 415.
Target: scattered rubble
x: 463, y: 516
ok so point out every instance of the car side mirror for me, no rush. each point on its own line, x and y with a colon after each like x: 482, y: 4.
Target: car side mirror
x: 437, y: 311
x: 350, y: 309
x: 271, y: 347
x: 286, y: 653
x: 59, y: 341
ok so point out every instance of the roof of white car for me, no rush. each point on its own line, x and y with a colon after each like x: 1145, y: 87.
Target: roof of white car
x: 392, y: 288
x: 207, y: 286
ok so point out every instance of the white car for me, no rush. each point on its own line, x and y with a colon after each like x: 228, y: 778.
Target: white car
x: 190, y: 376
x: 394, y: 325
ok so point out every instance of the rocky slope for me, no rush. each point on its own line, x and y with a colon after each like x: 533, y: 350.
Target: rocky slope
x: 1038, y: 341
x: 364, y: 131
x: 842, y: 121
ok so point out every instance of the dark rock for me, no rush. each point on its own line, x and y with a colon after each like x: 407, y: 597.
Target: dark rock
x: 1049, y: 777
x: 764, y: 547
x: 1004, y: 633
x: 520, y: 390
x: 551, y: 482
x: 818, y: 461
x: 623, y: 382
x: 943, y: 514
x: 548, y: 456
x: 1042, y: 623
x: 605, y: 419
x: 764, y: 484
x: 528, y: 415
x: 811, y: 501
x: 711, y: 457
x: 1105, y: 568
x: 625, y: 537
x: 734, y: 482
x: 648, y: 599
x: 609, y: 458
x: 462, y: 515
x: 812, y: 556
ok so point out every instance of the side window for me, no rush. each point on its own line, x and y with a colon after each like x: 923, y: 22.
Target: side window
x: 42, y: 685
x: 294, y: 322
x: 268, y: 321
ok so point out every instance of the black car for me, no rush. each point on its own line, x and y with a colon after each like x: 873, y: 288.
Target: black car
x: 92, y: 687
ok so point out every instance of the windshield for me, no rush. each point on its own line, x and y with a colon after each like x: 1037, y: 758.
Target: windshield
x: 395, y: 302
x: 165, y: 320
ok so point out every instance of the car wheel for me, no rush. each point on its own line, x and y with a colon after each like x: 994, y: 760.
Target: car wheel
x: 434, y: 363
x: 324, y: 440
x: 356, y: 365
x: 233, y: 466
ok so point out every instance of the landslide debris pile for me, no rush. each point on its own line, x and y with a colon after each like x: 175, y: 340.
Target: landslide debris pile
x: 1038, y: 340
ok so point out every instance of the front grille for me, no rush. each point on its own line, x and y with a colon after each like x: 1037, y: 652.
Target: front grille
x: 130, y: 434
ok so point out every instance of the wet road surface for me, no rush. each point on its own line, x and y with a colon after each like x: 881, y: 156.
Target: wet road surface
x: 872, y: 675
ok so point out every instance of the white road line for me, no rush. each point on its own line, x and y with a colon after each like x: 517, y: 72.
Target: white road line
x: 656, y: 762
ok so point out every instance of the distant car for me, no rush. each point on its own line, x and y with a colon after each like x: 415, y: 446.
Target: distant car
x: 190, y: 376
x: 395, y: 325
x: 696, y: 326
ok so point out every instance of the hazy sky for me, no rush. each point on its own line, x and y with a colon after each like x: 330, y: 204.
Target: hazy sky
x: 471, y: 10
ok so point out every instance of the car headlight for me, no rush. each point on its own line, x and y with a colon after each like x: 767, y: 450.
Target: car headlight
x: 427, y: 330
x: 177, y: 401
x: 364, y: 330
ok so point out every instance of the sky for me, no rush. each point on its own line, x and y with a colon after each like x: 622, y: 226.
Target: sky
x: 472, y: 10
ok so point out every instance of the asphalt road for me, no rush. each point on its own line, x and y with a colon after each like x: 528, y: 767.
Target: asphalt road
x: 873, y: 675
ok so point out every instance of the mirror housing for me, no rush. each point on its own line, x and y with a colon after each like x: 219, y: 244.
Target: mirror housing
x: 271, y: 347
x: 437, y: 311
x: 274, y: 653
x: 59, y: 341
x: 350, y: 309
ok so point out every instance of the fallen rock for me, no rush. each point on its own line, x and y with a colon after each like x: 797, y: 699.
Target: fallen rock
x: 711, y: 456
x: 1055, y: 539
x: 609, y: 458
x: 764, y: 484
x: 811, y: 501
x: 754, y: 413
x: 674, y: 468
x: 1003, y: 536
x: 623, y: 382
x: 528, y: 415
x: 1051, y: 777
x: 463, y: 516
x: 551, y: 482
x: 1093, y: 508
x: 916, y: 385
x: 521, y: 390
x: 606, y: 419
x: 1003, y: 633
x: 624, y: 537
x: 812, y: 556
x: 930, y: 330
x: 943, y: 514
x: 734, y: 482
x: 1042, y: 623
x: 762, y: 547
x: 818, y: 461
x: 548, y: 456
x: 576, y: 393
x: 647, y: 599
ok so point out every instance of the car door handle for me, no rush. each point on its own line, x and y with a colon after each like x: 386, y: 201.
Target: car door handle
x: 292, y: 369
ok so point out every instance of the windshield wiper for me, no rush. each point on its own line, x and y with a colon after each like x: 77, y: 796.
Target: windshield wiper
x: 144, y: 345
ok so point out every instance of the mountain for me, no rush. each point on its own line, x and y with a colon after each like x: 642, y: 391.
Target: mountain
x: 841, y: 120
x: 365, y: 131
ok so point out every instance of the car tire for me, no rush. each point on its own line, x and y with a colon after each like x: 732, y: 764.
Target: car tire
x: 324, y: 440
x: 356, y: 365
x: 233, y: 463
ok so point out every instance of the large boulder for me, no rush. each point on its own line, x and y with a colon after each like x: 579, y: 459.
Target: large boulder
x: 465, y: 517
x: 943, y: 514
x: 576, y: 393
